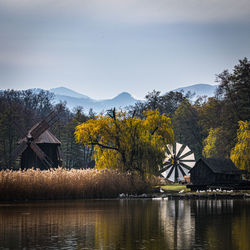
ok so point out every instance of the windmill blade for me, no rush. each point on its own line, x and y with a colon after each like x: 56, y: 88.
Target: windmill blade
x: 185, y: 151
x: 167, y: 160
x: 165, y: 163
x: 189, y: 164
x: 183, y: 170
x: 174, y: 149
x: 18, y: 150
x: 41, y: 155
x: 165, y: 168
x: 44, y: 125
x: 180, y: 149
x: 38, y: 130
x: 185, y: 166
x: 169, y: 150
x: 171, y: 174
x: 165, y: 173
x: 185, y: 155
x: 189, y: 157
x: 180, y: 173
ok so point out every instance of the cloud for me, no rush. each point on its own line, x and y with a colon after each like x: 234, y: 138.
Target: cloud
x: 138, y: 11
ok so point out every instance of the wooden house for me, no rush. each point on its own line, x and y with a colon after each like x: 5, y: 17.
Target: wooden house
x: 215, y: 172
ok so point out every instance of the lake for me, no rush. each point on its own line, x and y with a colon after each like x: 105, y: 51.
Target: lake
x: 126, y: 224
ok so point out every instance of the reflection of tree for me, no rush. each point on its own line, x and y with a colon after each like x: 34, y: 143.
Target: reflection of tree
x: 240, y: 225
x: 177, y: 223
x: 131, y: 225
x: 215, y: 223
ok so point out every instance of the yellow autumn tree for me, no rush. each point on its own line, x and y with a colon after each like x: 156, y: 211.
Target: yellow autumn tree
x: 211, y: 147
x: 214, y: 145
x: 240, y: 154
x: 127, y: 142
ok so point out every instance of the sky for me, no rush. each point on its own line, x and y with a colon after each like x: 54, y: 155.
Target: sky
x: 101, y: 48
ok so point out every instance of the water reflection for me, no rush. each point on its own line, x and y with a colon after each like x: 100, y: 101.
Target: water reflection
x: 126, y: 224
x: 177, y: 224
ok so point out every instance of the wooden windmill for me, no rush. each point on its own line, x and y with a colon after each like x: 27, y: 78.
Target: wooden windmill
x: 39, y: 148
x: 179, y: 161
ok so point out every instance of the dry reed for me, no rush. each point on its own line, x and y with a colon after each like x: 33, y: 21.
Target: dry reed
x: 53, y: 184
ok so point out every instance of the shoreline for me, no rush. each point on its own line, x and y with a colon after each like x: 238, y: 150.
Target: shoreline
x: 189, y: 196
x: 154, y: 196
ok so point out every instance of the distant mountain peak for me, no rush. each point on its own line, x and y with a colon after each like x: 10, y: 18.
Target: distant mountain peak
x: 199, y: 89
x: 124, y: 95
x: 63, y: 91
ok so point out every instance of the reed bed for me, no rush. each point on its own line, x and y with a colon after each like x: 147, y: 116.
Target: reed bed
x: 54, y: 184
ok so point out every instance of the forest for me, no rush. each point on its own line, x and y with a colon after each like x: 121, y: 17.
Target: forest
x: 133, y: 139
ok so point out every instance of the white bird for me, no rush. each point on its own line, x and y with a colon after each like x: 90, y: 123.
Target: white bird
x: 162, y: 191
x: 122, y: 195
x: 181, y: 191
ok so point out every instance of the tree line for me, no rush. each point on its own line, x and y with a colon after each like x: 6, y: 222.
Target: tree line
x: 212, y: 127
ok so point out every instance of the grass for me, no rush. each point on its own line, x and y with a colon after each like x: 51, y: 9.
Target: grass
x: 175, y: 188
x: 61, y: 183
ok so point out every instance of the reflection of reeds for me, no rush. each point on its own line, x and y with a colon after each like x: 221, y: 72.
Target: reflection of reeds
x: 67, y: 184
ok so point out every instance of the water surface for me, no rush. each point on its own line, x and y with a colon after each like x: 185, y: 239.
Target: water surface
x: 126, y: 224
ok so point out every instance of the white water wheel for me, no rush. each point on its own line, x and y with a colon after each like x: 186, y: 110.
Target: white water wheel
x: 179, y: 160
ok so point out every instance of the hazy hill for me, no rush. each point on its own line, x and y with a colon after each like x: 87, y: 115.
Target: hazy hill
x: 62, y: 91
x: 199, y: 89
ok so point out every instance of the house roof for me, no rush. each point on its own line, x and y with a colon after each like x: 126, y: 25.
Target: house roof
x: 221, y: 165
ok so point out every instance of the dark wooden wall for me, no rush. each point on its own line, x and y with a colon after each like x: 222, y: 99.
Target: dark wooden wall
x: 29, y: 159
x: 201, y: 174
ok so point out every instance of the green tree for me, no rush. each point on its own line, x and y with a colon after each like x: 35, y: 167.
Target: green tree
x: 234, y: 89
x: 186, y: 127
x: 165, y: 104
x: 125, y: 142
x: 75, y: 155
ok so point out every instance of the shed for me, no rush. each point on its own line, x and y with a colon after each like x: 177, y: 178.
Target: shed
x: 215, y: 171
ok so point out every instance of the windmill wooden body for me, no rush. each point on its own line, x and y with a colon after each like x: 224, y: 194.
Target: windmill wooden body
x: 39, y: 148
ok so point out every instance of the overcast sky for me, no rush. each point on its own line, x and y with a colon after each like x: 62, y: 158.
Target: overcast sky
x: 103, y: 47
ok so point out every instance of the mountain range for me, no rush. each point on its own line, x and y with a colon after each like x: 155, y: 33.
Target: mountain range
x: 75, y: 99
x: 124, y: 99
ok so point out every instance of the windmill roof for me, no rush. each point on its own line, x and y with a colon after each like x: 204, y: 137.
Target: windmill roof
x: 45, y: 137
x: 221, y: 165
